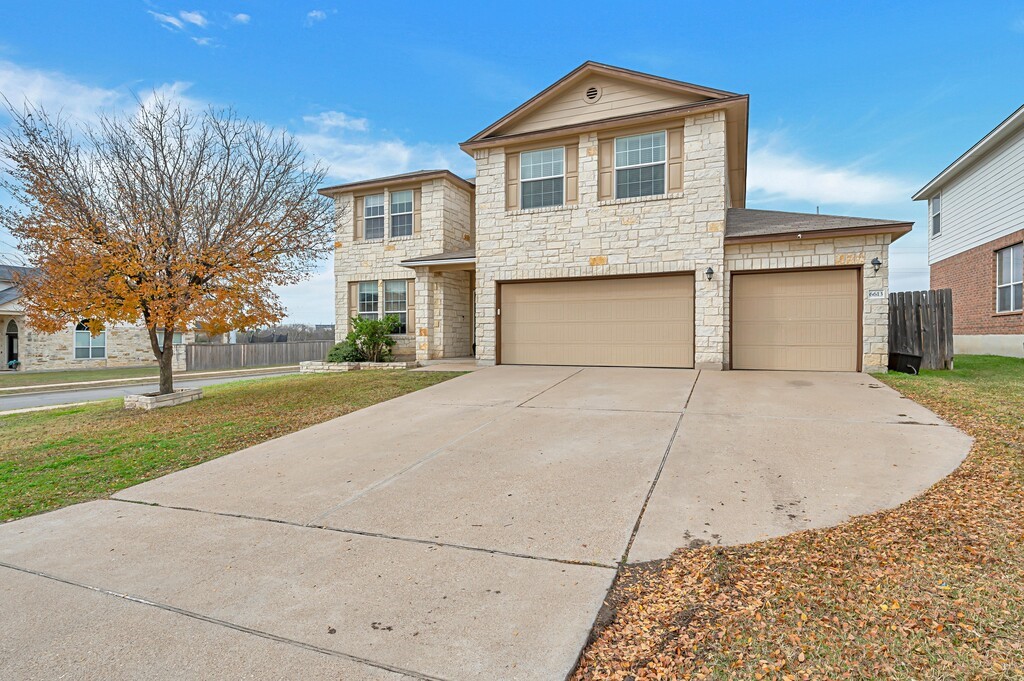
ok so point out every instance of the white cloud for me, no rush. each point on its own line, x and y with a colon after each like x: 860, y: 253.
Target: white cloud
x: 194, y: 17
x: 353, y: 151
x: 55, y: 92
x: 167, y: 21
x: 312, y: 301
x: 775, y: 173
x: 314, y: 16
x: 205, y: 41
x: 336, y: 119
x: 241, y: 18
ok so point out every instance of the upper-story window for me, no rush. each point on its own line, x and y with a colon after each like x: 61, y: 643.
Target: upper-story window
x: 373, y: 212
x: 934, y: 212
x: 88, y: 346
x: 1010, y: 279
x: 542, y: 177
x: 640, y: 165
x: 401, y: 213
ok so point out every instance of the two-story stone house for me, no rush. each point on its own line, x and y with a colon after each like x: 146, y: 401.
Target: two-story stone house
x: 607, y: 226
x: 976, y: 240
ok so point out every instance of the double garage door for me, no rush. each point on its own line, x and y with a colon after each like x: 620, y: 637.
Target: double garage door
x: 781, y: 320
x: 635, y: 322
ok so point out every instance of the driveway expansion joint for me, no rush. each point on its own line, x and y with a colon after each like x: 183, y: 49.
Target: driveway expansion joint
x: 230, y: 625
x: 378, y: 535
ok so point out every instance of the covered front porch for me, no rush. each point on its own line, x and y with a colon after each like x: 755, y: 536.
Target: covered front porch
x: 445, y: 305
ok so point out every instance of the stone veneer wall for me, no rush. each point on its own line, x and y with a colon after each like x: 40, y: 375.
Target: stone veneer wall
x: 838, y: 251
x: 681, y: 232
x: 457, y: 313
x: 127, y: 346
x: 445, y: 225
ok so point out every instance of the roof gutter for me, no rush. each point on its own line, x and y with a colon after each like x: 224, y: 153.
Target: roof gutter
x: 897, y: 229
x: 447, y: 261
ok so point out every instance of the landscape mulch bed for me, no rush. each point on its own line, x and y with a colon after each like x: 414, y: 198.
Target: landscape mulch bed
x: 933, y: 589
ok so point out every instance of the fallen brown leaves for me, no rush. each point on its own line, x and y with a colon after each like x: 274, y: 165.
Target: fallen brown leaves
x: 933, y: 589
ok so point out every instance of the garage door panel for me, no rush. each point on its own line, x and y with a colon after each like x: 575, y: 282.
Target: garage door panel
x: 796, y: 320
x: 601, y: 322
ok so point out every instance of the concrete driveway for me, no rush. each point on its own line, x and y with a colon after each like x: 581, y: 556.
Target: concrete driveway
x: 466, y: 531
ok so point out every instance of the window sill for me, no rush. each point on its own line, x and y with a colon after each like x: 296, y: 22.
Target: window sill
x: 543, y: 209
x: 408, y: 237
x: 641, y: 199
x: 1010, y: 313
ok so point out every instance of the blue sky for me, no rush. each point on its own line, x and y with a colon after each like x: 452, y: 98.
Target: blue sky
x: 853, y: 105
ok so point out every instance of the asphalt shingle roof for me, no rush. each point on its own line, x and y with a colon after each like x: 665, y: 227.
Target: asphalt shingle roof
x: 741, y: 222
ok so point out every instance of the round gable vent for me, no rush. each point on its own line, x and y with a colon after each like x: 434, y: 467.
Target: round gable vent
x: 592, y: 94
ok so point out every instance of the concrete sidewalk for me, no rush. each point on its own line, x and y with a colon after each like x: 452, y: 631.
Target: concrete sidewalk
x: 470, y: 530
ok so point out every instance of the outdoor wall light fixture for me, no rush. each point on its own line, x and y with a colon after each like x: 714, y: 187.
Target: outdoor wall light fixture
x: 709, y: 273
x: 876, y: 263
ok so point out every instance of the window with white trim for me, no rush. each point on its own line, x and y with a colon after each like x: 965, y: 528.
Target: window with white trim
x: 934, y: 213
x: 396, y: 302
x: 88, y: 346
x: 176, y: 339
x: 1010, y: 279
x: 640, y: 165
x: 401, y: 213
x: 542, y: 177
x: 373, y: 216
x: 368, y: 300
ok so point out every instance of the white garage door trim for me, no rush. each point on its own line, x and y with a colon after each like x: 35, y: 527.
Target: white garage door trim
x: 643, y: 321
x: 849, y: 300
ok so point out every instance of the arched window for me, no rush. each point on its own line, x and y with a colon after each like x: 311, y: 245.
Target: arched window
x: 12, y: 328
x: 88, y: 346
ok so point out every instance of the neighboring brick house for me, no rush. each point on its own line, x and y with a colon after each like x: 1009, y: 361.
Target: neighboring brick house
x: 74, y: 347
x: 607, y: 226
x: 976, y: 240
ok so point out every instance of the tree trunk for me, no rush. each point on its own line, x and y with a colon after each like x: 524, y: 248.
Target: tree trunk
x: 166, y: 376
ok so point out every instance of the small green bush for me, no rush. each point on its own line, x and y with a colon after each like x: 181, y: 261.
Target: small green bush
x: 345, y: 351
x: 372, y: 337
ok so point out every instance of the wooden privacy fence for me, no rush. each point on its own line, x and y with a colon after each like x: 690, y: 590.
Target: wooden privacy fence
x: 212, y: 356
x: 921, y: 323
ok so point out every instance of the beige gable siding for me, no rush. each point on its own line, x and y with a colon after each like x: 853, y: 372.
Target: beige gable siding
x: 618, y: 98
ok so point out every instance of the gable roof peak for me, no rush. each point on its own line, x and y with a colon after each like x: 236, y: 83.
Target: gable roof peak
x: 589, y: 68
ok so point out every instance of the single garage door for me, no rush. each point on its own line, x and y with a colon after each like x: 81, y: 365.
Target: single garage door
x: 807, y: 321
x: 642, y: 322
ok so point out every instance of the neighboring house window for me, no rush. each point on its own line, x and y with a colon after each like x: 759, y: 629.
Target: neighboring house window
x: 176, y: 339
x: 373, y: 213
x: 935, y: 208
x: 1010, y: 279
x: 640, y: 165
x: 88, y: 346
x: 401, y: 213
x: 395, y: 293
x: 368, y: 308
x: 542, y: 177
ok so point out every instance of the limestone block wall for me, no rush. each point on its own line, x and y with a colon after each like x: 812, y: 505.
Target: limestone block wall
x: 457, y: 313
x: 681, y: 232
x: 126, y: 346
x: 445, y: 225
x: 833, y: 252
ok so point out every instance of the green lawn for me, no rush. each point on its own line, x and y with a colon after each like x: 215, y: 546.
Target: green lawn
x: 50, y: 459
x: 931, y: 590
x: 11, y: 379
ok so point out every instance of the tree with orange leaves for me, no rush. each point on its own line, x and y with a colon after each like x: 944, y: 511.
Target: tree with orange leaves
x: 163, y: 217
